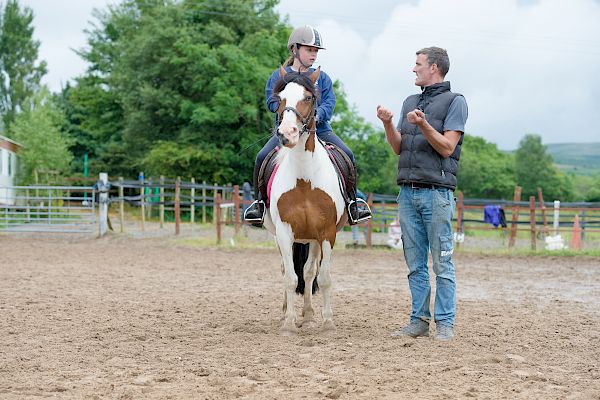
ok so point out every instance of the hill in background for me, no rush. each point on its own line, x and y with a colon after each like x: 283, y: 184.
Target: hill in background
x: 577, y: 158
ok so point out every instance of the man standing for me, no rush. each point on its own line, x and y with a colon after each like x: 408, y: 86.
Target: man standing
x: 428, y: 140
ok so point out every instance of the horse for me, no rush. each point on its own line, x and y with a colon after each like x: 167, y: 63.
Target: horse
x: 306, y: 203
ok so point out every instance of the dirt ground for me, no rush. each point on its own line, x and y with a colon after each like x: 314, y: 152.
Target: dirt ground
x: 154, y: 318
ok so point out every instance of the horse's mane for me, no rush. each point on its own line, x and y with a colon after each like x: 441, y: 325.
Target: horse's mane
x: 296, y: 77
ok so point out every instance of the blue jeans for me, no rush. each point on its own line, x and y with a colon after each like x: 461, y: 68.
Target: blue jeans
x: 426, y: 222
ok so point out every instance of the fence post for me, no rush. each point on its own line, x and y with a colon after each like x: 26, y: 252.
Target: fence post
x: 203, y: 202
x: 161, y: 208
x: 121, y: 204
x: 228, y: 195
x: 192, y: 202
x: 150, y: 196
x: 215, y: 192
x: 515, y: 217
x: 103, y: 200
x: 370, y: 224
x: 532, y: 222
x: 236, y: 208
x: 217, y: 216
x: 543, y: 207
x: 142, y: 199
x: 177, y: 205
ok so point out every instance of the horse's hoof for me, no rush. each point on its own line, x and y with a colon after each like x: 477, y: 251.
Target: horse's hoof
x: 328, y: 326
x: 289, y: 331
x: 289, y: 327
x: 307, y: 323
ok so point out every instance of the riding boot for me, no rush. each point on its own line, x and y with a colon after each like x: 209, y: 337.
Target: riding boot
x: 358, y: 209
x: 255, y: 213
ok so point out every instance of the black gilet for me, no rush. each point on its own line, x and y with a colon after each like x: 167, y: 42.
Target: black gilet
x: 419, y: 162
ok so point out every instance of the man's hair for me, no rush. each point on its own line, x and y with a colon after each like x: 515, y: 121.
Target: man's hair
x: 438, y: 56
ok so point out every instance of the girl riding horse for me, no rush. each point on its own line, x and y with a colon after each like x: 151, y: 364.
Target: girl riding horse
x: 304, y: 44
x: 306, y: 202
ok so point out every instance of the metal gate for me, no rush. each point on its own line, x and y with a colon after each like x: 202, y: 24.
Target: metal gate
x: 59, y: 209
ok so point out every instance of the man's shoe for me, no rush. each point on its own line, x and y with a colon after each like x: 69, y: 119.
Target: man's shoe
x: 443, y: 332
x: 255, y: 213
x: 414, y: 329
x: 358, y: 211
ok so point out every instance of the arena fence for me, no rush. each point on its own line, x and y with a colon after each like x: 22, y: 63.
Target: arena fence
x: 59, y: 209
x: 73, y: 209
x: 224, y: 206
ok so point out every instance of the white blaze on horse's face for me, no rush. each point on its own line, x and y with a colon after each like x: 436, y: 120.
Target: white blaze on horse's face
x: 290, y: 123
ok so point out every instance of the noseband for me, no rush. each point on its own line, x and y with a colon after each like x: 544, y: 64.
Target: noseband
x: 306, y: 120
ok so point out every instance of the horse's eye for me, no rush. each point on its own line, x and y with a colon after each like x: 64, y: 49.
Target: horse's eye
x: 308, y: 98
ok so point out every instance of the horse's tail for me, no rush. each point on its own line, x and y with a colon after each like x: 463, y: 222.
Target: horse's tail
x: 300, y: 252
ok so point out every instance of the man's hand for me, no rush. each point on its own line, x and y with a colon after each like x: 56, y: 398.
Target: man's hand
x: 391, y: 133
x: 416, y: 117
x: 384, y: 114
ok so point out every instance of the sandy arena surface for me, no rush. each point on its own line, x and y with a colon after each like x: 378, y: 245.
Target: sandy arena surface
x: 124, y: 318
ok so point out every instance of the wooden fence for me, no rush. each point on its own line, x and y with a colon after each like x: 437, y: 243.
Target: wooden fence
x: 224, y: 205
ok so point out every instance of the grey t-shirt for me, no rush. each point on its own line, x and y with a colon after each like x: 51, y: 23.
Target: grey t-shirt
x: 456, y: 117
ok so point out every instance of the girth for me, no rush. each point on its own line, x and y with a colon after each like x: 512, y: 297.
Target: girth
x: 342, y: 163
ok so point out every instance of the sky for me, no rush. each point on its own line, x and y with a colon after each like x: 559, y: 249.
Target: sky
x: 524, y: 66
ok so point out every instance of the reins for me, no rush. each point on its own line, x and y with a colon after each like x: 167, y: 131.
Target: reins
x: 305, y: 120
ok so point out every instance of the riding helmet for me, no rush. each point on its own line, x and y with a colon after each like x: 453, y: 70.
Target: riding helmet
x: 306, y: 36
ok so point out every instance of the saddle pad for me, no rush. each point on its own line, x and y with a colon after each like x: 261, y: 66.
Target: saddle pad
x: 340, y: 160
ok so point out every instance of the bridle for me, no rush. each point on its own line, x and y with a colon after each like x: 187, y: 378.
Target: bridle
x: 305, y: 120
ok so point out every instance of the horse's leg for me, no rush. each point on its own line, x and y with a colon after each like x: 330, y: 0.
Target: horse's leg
x: 324, y: 281
x: 284, y: 307
x: 290, y: 281
x: 310, y: 271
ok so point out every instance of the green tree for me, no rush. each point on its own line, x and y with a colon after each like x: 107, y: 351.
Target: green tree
x: 94, y: 118
x: 592, y: 192
x: 20, y: 75
x: 376, y: 162
x: 185, y: 84
x: 535, y: 168
x: 485, y: 172
x: 45, y: 148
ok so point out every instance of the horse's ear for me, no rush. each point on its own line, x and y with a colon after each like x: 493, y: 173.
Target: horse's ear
x: 315, y: 75
x: 282, y: 71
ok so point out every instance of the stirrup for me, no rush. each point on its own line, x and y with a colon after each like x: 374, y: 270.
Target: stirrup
x: 256, y: 219
x: 360, y: 219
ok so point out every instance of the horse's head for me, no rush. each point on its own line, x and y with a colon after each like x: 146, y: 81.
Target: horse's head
x: 297, y: 107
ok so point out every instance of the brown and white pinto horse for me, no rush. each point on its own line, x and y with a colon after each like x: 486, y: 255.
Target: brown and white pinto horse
x: 306, y: 202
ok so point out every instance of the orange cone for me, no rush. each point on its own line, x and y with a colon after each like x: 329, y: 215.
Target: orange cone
x: 576, y: 240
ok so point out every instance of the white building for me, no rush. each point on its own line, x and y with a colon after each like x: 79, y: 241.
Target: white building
x: 8, y: 168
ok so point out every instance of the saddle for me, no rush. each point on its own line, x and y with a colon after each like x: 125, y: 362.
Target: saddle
x: 343, y: 165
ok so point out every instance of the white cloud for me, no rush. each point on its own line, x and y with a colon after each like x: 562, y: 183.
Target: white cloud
x: 524, y: 66
x: 59, y: 26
